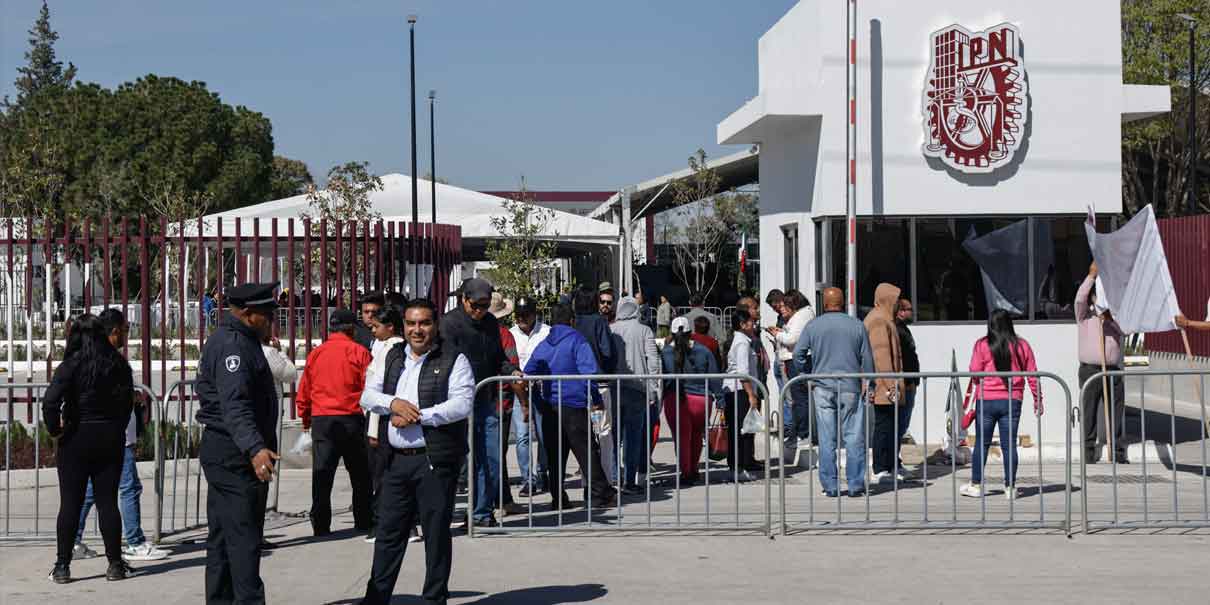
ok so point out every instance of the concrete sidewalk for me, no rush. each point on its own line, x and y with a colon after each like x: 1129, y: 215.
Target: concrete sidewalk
x: 673, y: 570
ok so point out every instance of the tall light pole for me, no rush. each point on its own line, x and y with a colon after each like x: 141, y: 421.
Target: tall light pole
x: 433, y: 160
x: 1192, y: 111
x: 415, y: 196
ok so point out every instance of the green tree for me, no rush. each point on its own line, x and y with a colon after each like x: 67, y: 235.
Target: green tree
x: 1155, y: 152
x: 707, y: 220
x: 344, y: 203
x: 290, y: 178
x: 523, y: 256
x: 42, y: 71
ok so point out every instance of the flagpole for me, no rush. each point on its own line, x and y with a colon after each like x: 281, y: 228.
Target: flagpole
x: 1196, y: 379
x: 1109, y: 434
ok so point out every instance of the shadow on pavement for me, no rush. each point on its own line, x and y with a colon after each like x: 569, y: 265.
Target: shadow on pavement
x: 537, y: 595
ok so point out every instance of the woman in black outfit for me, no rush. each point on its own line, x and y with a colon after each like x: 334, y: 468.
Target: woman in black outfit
x: 86, y: 408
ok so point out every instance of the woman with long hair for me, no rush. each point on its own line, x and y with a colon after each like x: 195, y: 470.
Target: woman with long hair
x: 998, y: 399
x: 687, y: 398
x: 87, y: 407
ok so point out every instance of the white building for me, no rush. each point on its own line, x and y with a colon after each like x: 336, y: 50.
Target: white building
x: 1030, y: 102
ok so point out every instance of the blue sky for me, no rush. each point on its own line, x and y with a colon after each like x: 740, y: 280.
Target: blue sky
x: 574, y: 95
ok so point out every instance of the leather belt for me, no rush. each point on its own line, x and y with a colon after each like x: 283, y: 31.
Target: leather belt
x: 410, y: 451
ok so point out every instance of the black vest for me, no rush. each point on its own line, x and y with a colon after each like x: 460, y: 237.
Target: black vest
x: 446, y: 444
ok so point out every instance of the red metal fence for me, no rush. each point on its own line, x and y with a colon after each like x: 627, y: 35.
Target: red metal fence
x: 168, y: 280
x: 1187, y: 244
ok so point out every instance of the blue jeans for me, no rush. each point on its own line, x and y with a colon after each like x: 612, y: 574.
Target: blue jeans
x: 847, y: 410
x: 129, y: 491
x: 637, y: 420
x: 523, y: 438
x: 988, y: 414
x: 487, y: 459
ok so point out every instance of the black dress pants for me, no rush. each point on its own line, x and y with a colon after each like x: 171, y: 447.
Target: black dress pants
x: 376, y: 459
x: 735, y: 410
x: 575, y: 426
x: 413, y: 490
x: 235, y: 512
x: 882, y: 441
x: 1092, y: 411
x: 93, y: 450
x: 334, y: 438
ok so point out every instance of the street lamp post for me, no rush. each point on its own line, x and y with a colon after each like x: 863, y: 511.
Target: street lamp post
x: 1193, y: 91
x: 433, y: 160
x: 415, y: 204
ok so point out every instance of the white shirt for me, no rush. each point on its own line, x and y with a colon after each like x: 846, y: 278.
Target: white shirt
x: 528, y: 343
x: 741, y: 359
x: 788, y: 337
x: 378, y: 362
x: 461, y: 399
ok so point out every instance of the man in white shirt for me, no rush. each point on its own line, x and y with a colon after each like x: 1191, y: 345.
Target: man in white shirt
x: 529, y: 331
x: 424, y: 398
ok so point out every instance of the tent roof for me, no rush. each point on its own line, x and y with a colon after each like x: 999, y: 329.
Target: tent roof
x: 468, y: 209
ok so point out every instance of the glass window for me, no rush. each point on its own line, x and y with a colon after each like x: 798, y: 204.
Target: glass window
x: 883, y: 255
x: 1061, y: 246
x: 790, y: 239
x: 966, y: 265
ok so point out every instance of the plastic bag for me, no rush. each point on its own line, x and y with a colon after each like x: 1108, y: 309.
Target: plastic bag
x: 302, y: 445
x: 754, y: 422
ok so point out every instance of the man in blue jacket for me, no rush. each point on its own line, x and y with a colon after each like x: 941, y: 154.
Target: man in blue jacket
x: 564, y: 406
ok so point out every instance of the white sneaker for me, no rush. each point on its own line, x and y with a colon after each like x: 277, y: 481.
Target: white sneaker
x: 971, y: 490
x: 745, y: 476
x: 143, y: 552
x: 1010, y: 493
x: 82, y: 551
x: 881, y: 477
x: 415, y: 537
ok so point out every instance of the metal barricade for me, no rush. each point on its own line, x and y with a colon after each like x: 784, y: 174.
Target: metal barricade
x: 1133, y: 512
x: 177, y: 412
x: 31, y: 526
x: 880, y: 506
x: 179, y: 487
x: 659, y: 503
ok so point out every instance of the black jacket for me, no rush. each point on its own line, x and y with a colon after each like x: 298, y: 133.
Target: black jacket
x: 480, y: 342
x: 69, y: 402
x: 445, y: 444
x: 595, y: 328
x: 907, y: 344
x: 237, y: 398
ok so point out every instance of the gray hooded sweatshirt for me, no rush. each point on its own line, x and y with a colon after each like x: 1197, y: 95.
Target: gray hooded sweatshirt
x: 637, y: 344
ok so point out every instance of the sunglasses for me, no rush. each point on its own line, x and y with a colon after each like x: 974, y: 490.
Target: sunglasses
x: 481, y: 306
x: 606, y: 302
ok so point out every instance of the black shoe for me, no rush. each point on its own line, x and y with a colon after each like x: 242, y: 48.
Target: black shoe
x: 267, y: 545
x: 61, y: 574
x: 567, y: 503
x: 856, y: 493
x: 488, y: 521
x: 119, y: 570
x: 832, y: 493
x: 319, y: 533
x: 526, y: 491
x: 609, y: 501
x: 1120, y: 458
x: 371, y: 535
x: 458, y: 521
x: 633, y: 490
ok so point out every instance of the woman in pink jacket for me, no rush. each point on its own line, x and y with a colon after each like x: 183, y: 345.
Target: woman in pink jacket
x: 998, y: 399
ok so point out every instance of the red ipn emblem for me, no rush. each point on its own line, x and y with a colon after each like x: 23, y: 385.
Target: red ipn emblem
x: 975, y: 98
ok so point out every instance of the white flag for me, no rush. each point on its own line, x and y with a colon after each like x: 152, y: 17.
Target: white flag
x: 1133, y: 279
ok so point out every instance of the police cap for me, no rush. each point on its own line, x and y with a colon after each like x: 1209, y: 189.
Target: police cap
x: 252, y: 295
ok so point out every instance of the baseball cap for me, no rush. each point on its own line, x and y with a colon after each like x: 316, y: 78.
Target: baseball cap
x: 681, y: 324
x: 476, y: 289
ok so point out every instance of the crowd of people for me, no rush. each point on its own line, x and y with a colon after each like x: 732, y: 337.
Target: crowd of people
x: 390, y: 391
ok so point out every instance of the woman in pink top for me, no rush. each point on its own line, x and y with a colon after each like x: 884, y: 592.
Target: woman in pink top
x: 998, y: 399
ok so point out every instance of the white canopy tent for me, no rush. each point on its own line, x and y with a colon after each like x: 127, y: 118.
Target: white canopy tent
x: 471, y: 210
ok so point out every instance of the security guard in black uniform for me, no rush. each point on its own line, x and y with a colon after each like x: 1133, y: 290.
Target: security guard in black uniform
x: 238, y: 406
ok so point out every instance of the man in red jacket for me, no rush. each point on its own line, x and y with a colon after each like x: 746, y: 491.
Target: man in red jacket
x: 328, y: 401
